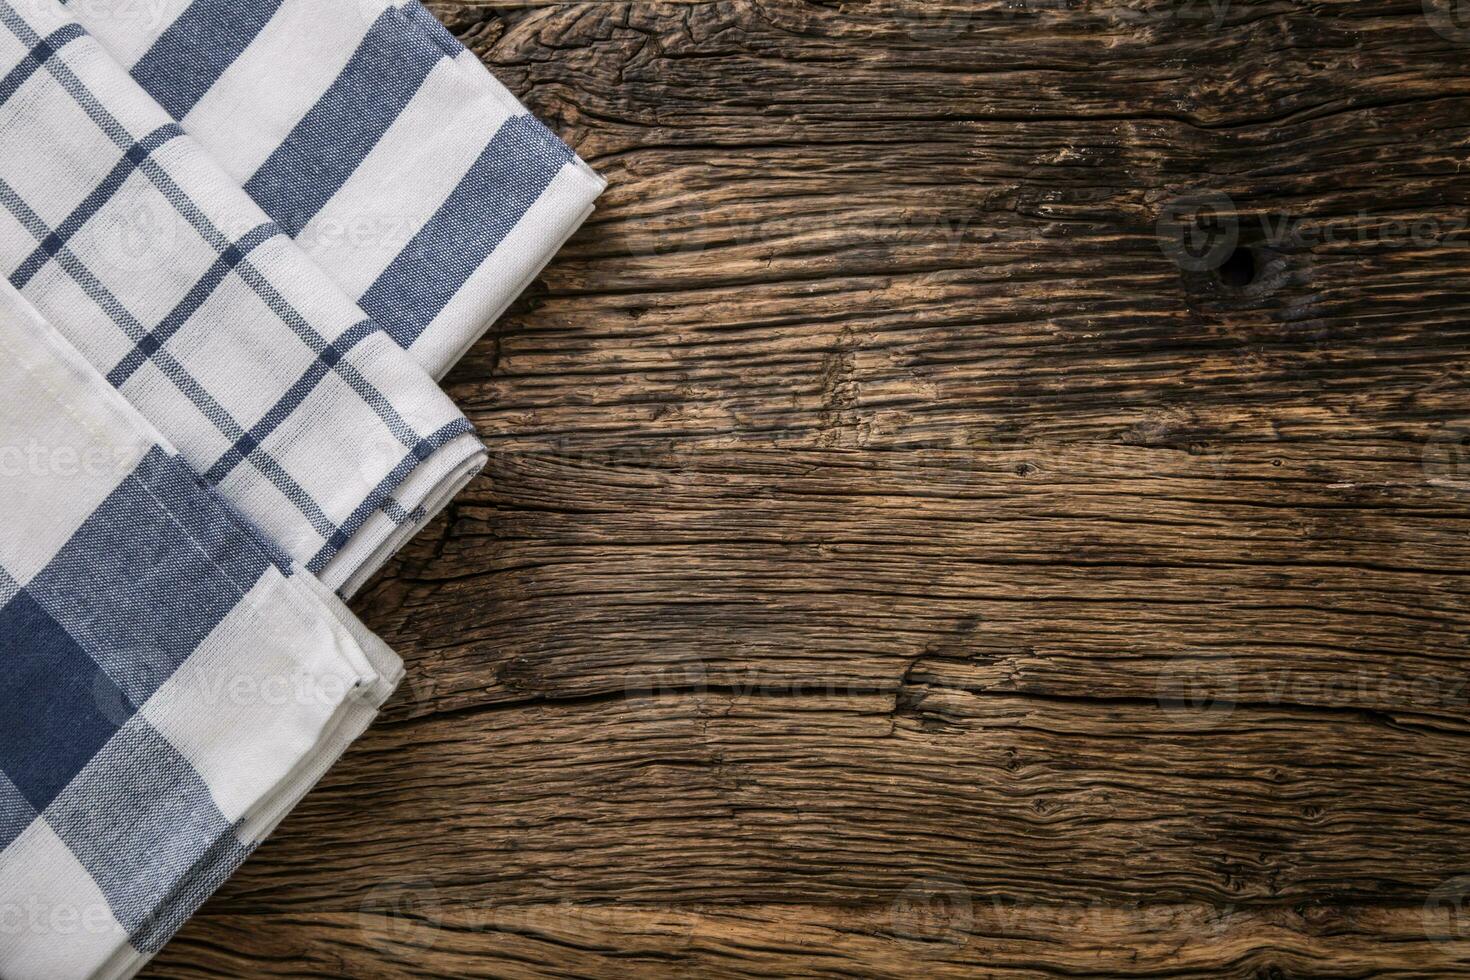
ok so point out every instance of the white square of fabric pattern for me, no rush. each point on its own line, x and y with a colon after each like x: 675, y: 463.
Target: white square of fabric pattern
x: 48, y: 177
x: 131, y: 24
x: 248, y: 369
x: 300, y: 285
x: 130, y: 232
x: 66, y: 284
x: 161, y: 388
x: 38, y: 454
x: 369, y: 447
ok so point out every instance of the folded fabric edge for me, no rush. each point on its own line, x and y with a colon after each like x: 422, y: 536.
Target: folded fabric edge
x: 36, y: 349
x: 562, y: 208
x: 441, y: 349
x: 425, y: 491
x: 490, y: 285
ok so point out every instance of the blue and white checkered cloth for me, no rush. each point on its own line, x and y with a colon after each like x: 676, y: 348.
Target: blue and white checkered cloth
x: 240, y: 239
x: 154, y: 263
x: 173, y: 684
x: 366, y: 131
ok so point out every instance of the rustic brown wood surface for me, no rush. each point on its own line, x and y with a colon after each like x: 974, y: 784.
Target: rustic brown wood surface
x: 896, y: 559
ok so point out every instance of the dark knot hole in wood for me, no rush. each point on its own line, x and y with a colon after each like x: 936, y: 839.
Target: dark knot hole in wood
x: 1239, y: 268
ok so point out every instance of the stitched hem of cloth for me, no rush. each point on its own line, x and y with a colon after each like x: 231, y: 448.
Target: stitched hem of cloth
x: 424, y: 494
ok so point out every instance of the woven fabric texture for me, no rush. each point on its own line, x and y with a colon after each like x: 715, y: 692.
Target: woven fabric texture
x: 369, y: 134
x: 173, y: 682
x: 276, y: 387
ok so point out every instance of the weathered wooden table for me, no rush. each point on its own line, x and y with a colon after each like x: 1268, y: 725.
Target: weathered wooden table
x: 983, y: 496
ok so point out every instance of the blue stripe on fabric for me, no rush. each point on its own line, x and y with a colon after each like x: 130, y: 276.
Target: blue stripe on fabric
x: 150, y: 343
x: 326, y: 361
x: 142, y: 821
x: 42, y: 50
x: 383, y: 492
x: 510, y: 175
x: 421, y: 18
x: 238, y: 550
x: 198, y: 48
x: 93, y: 202
x: 330, y: 142
x: 140, y: 584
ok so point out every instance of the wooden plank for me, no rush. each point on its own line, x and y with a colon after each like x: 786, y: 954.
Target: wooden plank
x: 820, y: 231
x: 1119, y: 676
x: 931, y: 931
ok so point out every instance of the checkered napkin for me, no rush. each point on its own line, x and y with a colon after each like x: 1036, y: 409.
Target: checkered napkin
x: 173, y: 684
x: 190, y: 300
x: 368, y: 132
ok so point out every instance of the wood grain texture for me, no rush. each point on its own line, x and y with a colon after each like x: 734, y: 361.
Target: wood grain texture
x: 894, y: 561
